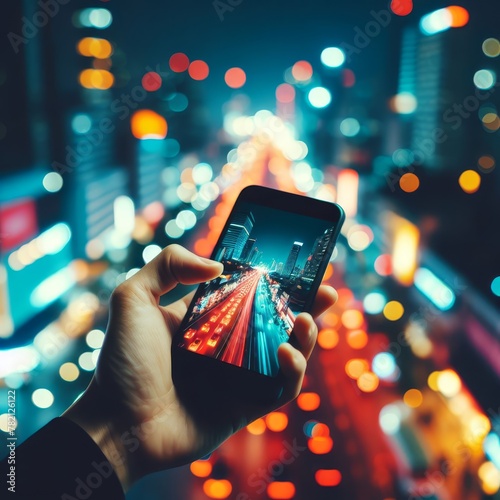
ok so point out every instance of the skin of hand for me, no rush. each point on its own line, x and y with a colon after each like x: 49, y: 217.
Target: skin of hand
x: 131, y: 408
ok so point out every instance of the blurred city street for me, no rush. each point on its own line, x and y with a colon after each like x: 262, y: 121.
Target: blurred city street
x: 128, y: 127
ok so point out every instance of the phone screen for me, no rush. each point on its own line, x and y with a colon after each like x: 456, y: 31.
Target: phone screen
x: 271, y: 260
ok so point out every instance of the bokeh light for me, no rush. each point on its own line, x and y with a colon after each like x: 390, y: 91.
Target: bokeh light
x: 352, y: 318
x: 69, y: 372
x: 178, y: 62
x: 409, y: 182
x: 42, y: 398
x: 285, y: 93
x: 151, y: 81
x: 491, y: 47
x: 201, y: 468
x: 374, y: 302
x: 320, y: 445
x: 302, y: 71
x: 495, y: 286
x: 393, y: 310
x: 319, y: 97
x: 484, y: 79
x: 328, y: 338
x: 217, y: 488
x: 276, y: 421
x: 281, y: 490
x: 413, y: 398
x: 147, y: 124
x: 308, y: 401
x: 257, y: 427
x: 235, y: 78
x: 357, y: 339
x: 198, y: 70
x: 356, y: 367
x: 52, y: 182
x: 332, y: 57
x: 402, y: 7
x: 328, y: 477
x: 469, y: 181
x: 368, y: 382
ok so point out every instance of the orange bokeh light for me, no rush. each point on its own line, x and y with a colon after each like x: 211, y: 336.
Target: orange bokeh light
x: 257, y: 427
x: 320, y: 445
x: 328, y: 338
x: 352, y: 318
x: 94, y: 47
x: 147, y: 124
x: 308, y: 401
x: 357, y: 339
x: 178, y: 62
x: 282, y: 490
x: 320, y: 430
x: 328, y: 477
x: 409, y: 182
x: 459, y: 16
x: 302, y: 71
x: 96, y: 79
x: 356, y: 367
x: 276, y: 421
x: 198, y: 70
x: 217, y: 488
x: 328, y: 272
x: 201, y: 468
x: 235, y: 78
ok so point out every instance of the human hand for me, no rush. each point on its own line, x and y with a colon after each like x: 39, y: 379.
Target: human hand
x: 132, y: 409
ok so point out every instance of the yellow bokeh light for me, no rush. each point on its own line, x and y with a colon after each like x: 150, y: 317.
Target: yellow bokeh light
x: 432, y: 380
x: 69, y: 372
x: 490, y: 477
x: 413, y: 398
x: 393, y: 310
x: 469, y: 181
x: 368, y: 382
x: 449, y: 383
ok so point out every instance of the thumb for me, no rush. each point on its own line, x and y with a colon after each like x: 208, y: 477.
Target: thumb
x: 175, y: 264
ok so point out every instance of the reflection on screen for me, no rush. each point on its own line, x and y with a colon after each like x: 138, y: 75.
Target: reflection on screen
x: 271, y: 259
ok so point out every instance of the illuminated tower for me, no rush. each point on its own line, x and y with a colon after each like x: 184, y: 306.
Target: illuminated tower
x: 316, y: 256
x: 237, y: 234
x: 247, y: 250
x: 292, y: 258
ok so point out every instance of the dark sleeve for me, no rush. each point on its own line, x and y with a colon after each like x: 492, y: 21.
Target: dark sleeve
x: 60, y: 461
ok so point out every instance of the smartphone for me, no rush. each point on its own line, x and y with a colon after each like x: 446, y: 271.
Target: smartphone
x: 275, y: 247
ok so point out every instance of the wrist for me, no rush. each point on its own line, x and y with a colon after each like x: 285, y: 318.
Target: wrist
x: 89, y: 412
